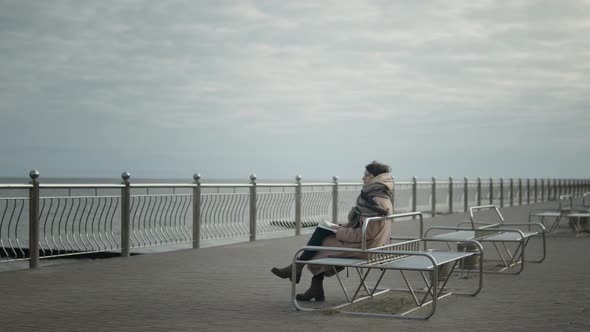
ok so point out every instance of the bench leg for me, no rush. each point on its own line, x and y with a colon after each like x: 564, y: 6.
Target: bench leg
x: 361, y: 284
x: 512, y: 259
x: 555, y: 224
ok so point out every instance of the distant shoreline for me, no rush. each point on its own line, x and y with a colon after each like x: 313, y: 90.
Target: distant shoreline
x: 22, y: 180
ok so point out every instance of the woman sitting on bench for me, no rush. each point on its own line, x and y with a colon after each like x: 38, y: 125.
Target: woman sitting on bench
x: 374, y: 201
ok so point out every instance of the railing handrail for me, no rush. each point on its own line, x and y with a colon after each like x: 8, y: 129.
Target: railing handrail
x: 16, y: 186
x: 80, y: 186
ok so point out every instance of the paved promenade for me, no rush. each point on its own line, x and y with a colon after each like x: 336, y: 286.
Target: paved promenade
x: 230, y: 288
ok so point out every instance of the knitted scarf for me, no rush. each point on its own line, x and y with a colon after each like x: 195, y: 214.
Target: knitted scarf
x: 379, y: 186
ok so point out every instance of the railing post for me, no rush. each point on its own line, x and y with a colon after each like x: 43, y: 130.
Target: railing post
x: 34, y: 198
x: 465, y: 194
x: 535, y: 189
x: 519, y: 191
x: 542, y: 190
x: 433, y: 195
x: 335, y: 191
x: 393, y: 195
x: 450, y: 194
x: 125, y: 215
x: 528, y: 191
x: 478, y: 191
x: 197, y: 211
x: 501, y: 192
x: 574, y: 184
x: 298, y: 203
x: 491, y: 191
x: 559, y: 188
x: 253, y: 207
x: 414, y: 194
x: 511, y: 192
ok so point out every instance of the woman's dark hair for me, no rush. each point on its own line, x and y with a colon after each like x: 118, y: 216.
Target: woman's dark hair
x: 377, y: 168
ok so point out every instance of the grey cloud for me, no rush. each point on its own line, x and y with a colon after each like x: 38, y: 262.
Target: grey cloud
x: 233, y: 76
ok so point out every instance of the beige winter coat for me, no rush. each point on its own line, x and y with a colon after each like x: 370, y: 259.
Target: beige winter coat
x: 379, y: 189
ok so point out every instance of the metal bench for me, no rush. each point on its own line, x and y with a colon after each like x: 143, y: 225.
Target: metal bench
x: 555, y: 214
x: 578, y: 217
x: 434, y: 268
x: 508, y: 241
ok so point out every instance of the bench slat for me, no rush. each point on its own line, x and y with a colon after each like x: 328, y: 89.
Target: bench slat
x: 421, y: 263
x: 547, y: 214
x: 336, y: 261
x: 508, y: 236
x: 457, y: 236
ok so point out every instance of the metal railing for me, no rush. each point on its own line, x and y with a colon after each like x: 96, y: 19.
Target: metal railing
x: 56, y: 220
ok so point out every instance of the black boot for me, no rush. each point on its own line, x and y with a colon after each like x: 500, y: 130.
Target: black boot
x: 315, y: 291
x: 287, y: 271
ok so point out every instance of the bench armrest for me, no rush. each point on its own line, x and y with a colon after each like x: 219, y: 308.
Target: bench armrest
x: 476, y: 223
x: 507, y: 230
x: 541, y: 226
x: 447, y: 228
x: 472, y: 241
x: 355, y: 250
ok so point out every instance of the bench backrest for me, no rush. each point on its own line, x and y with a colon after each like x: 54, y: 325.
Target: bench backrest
x: 481, y: 228
x: 566, y: 202
x: 390, y: 218
x: 407, y: 245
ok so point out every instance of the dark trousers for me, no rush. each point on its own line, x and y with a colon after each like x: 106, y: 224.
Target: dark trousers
x: 315, y: 240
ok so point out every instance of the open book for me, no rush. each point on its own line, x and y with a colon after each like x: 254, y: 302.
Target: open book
x: 328, y: 225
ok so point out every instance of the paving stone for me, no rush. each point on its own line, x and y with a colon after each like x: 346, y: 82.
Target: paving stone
x: 230, y: 288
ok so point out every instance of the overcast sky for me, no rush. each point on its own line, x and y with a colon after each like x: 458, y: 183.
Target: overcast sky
x: 280, y: 88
